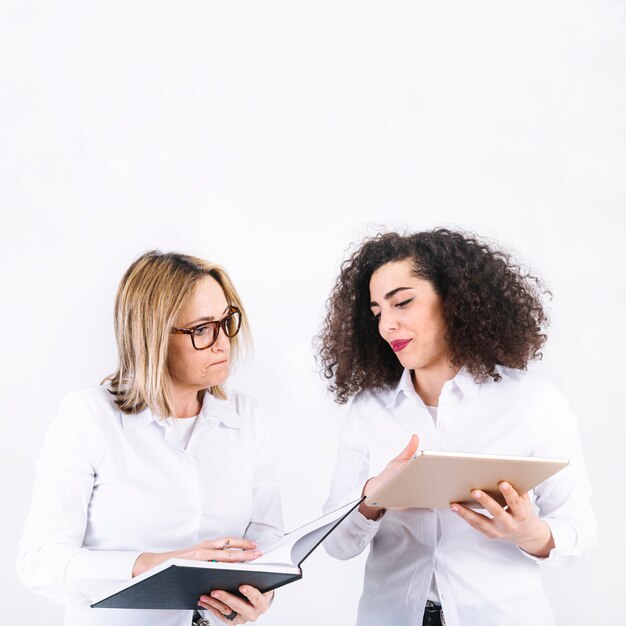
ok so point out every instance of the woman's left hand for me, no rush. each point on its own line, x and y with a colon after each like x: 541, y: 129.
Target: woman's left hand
x: 517, y: 524
x: 222, y: 604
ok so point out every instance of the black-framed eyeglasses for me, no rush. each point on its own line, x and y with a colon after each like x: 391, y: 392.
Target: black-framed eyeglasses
x: 204, y: 335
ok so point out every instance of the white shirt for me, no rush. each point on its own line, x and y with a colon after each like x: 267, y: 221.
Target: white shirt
x: 178, y: 431
x: 481, y: 581
x: 110, y: 485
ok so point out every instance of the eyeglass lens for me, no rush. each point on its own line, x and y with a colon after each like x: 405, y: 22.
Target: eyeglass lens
x: 205, y: 336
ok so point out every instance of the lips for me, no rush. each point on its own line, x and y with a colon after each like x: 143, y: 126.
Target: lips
x: 399, y: 344
x: 219, y: 363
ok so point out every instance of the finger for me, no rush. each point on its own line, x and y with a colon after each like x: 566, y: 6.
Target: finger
x: 235, y: 604
x: 221, y: 608
x: 257, y: 599
x: 517, y: 504
x: 477, y: 521
x: 228, y: 542
x: 230, y: 556
x: 490, y: 505
x: 410, y: 450
x: 222, y: 616
x: 207, y: 602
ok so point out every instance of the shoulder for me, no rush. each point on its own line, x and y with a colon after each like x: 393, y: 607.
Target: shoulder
x: 513, y: 381
x: 80, y: 427
x: 534, y: 391
x: 91, y: 406
x: 526, y: 381
x: 369, y: 398
x: 367, y: 411
x: 250, y: 419
x: 96, y: 398
x: 238, y: 409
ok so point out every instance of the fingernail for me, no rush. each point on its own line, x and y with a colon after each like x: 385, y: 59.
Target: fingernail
x: 215, y: 594
x: 455, y: 508
x: 203, y: 599
x: 243, y: 589
x: 505, y: 486
x: 476, y: 494
x: 257, y: 553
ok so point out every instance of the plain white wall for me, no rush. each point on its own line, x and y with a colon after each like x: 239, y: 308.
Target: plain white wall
x: 268, y: 137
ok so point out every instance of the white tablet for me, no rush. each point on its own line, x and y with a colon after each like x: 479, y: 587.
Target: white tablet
x: 435, y: 479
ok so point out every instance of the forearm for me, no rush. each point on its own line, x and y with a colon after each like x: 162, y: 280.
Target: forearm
x: 67, y: 574
x: 148, y: 560
x: 352, y: 536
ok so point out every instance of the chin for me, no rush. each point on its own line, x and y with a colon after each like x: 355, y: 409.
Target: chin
x: 219, y: 380
x: 216, y: 375
x: 409, y: 361
x: 414, y: 363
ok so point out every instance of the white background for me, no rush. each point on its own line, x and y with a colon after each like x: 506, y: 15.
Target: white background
x: 269, y: 136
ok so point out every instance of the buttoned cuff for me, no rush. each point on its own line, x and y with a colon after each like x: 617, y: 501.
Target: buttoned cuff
x: 90, y: 572
x: 565, y: 540
x: 362, y: 527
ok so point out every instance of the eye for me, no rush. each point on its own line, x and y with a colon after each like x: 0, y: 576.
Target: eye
x: 376, y: 315
x: 200, y: 330
x: 404, y: 303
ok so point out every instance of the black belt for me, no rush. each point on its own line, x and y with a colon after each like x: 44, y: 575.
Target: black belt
x: 433, y: 615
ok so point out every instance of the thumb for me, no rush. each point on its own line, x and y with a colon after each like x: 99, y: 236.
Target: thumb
x: 410, y: 450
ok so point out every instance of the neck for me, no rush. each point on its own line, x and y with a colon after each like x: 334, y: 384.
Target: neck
x: 429, y: 382
x: 186, y: 403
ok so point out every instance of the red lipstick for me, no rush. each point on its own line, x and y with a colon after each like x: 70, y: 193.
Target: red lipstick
x: 399, y: 344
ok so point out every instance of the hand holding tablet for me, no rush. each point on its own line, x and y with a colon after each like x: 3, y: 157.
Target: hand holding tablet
x: 437, y: 479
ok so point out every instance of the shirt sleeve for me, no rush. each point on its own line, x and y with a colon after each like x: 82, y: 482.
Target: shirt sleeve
x: 564, y: 499
x: 354, y: 534
x: 266, y: 522
x: 52, y: 561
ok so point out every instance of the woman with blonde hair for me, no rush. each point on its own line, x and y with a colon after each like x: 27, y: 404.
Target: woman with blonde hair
x: 161, y: 460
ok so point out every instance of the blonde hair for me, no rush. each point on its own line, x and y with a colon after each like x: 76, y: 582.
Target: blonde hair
x: 153, y: 291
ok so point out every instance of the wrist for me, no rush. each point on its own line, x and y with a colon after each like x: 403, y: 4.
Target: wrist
x: 370, y: 512
x: 541, y: 541
x: 148, y: 560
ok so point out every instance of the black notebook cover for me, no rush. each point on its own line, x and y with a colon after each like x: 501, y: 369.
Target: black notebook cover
x: 181, y: 587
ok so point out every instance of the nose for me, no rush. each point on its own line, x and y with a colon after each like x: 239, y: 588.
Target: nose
x: 387, y: 322
x: 222, y: 343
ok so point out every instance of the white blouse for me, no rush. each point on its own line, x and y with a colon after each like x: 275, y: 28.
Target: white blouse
x: 480, y: 581
x: 111, y: 485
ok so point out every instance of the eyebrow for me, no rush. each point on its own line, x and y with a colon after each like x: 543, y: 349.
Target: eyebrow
x: 206, y: 319
x: 389, y: 294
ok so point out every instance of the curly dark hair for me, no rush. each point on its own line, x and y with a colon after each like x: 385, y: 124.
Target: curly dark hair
x: 492, y: 308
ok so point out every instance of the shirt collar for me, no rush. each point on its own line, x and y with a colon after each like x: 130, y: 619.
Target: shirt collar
x: 213, y: 412
x: 463, y: 380
x: 404, y: 386
x: 130, y: 421
x: 466, y: 383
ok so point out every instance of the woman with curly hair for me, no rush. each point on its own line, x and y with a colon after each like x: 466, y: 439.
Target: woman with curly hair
x: 432, y: 333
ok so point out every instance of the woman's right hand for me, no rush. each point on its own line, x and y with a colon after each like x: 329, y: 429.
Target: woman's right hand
x: 226, y: 549
x: 391, y: 468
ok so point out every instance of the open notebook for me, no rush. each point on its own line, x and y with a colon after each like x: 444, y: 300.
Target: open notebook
x: 179, y: 583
